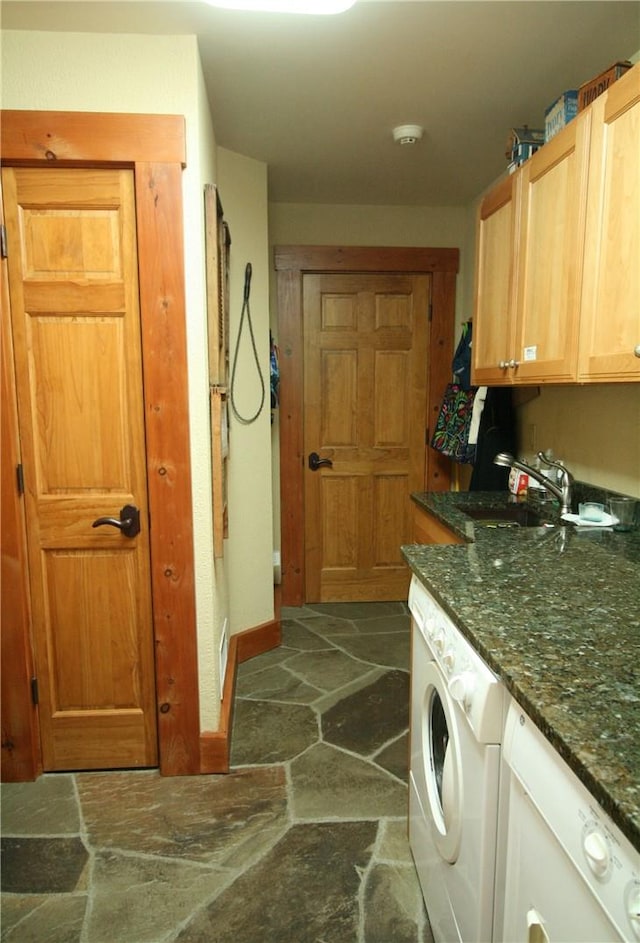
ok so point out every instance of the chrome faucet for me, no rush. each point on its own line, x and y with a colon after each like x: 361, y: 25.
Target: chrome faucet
x: 562, y: 491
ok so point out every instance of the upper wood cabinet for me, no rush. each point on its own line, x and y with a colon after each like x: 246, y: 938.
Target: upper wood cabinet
x: 558, y: 243
x: 610, y: 321
x: 493, y: 330
x: 549, y: 253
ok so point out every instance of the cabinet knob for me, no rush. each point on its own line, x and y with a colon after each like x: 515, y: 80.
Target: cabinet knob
x: 636, y: 350
x: 513, y: 363
x: 503, y: 365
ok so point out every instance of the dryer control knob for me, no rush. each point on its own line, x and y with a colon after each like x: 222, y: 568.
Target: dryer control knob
x: 461, y: 688
x: 449, y: 660
x: 438, y: 641
x: 597, y: 852
x: 633, y: 908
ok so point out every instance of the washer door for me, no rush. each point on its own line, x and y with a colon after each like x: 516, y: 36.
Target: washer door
x: 442, y: 764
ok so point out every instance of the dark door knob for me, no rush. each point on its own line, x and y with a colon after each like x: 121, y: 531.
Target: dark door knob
x: 315, y: 461
x: 129, y: 522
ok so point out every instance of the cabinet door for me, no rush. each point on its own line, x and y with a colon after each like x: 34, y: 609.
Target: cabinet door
x: 553, y: 200
x: 493, y: 324
x: 610, y: 330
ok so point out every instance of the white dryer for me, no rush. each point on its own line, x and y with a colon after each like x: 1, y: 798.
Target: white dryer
x: 568, y: 872
x: 457, y: 717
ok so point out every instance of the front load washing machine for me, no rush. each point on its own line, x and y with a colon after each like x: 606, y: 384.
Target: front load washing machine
x: 457, y: 717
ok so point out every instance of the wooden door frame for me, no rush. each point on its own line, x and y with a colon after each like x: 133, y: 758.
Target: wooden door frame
x: 291, y: 264
x: 153, y: 146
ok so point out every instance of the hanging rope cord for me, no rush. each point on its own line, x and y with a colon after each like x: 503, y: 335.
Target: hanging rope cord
x: 246, y: 311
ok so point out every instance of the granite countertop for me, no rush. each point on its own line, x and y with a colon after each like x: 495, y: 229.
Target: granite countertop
x: 555, y: 612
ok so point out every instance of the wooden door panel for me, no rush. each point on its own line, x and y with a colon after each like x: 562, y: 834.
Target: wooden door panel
x: 365, y: 411
x: 340, y: 521
x: 339, y: 387
x: 390, y: 507
x: 392, y: 396
x: 610, y: 327
x: 495, y: 300
x: 76, y: 329
x: 81, y: 448
x: 104, y: 641
x: 550, y: 256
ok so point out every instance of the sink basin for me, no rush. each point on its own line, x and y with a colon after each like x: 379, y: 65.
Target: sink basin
x: 513, y: 515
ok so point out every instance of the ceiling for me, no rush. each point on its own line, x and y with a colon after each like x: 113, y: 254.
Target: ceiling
x: 316, y: 97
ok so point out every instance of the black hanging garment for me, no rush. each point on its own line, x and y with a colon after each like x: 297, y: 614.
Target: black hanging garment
x: 497, y: 433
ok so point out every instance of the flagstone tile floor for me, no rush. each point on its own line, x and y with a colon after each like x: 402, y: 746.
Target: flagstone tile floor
x: 303, y: 842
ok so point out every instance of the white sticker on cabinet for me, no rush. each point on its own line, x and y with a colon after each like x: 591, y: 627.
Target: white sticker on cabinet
x: 530, y: 353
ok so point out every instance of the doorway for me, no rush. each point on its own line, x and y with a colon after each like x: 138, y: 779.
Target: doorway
x: 73, y: 282
x: 152, y: 148
x: 295, y: 266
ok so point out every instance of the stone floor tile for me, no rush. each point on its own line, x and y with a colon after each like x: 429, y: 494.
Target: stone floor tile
x: 47, y: 806
x: 300, y: 638
x: 197, y: 818
x: 393, y: 622
x: 215, y: 859
x: 36, y: 919
x: 333, y: 697
x: 389, y: 649
x: 304, y: 891
x: 276, y: 656
x: 42, y: 865
x: 393, y: 843
x: 392, y: 905
x: 271, y: 733
x: 363, y: 722
x: 328, y: 627
x: 356, y: 610
x: 327, y: 783
x: 277, y: 683
x: 143, y: 899
x: 327, y: 670
x: 395, y: 757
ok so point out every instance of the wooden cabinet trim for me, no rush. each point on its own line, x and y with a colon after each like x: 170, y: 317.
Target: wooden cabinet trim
x: 427, y: 529
x: 623, y: 94
x: 499, y: 196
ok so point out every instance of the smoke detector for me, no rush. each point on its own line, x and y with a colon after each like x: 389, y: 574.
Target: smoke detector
x: 407, y: 133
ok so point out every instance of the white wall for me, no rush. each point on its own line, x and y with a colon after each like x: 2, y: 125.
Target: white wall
x: 153, y: 75
x: 242, y: 186
x: 351, y: 225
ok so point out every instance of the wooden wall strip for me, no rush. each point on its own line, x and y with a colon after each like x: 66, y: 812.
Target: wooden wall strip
x: 20, y: 735
x: 89, y: 137
x: 162, y: 309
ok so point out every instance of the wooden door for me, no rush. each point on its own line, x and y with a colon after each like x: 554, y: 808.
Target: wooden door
x: 493, y: 329
x: 610, y: 326
x: 76, y: 332
x: 550, y: 257
x: 365, y: 395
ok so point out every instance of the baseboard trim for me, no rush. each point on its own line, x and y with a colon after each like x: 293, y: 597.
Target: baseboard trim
x: 215, y: 746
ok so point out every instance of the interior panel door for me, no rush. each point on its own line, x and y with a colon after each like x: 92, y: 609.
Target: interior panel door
x: 365, y: 383
x: 76, y: 331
